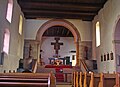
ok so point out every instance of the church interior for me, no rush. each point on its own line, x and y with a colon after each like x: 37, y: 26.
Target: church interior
x: 56, y: 43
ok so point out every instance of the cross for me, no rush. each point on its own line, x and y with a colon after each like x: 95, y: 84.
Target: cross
x: 56, y: 45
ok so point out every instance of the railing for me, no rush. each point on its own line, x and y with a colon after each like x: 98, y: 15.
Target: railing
x: 95, y: 79
x: 34, y: 65
x: 84, y: 65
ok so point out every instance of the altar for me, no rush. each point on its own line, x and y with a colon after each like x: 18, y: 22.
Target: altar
x: 57, y: 61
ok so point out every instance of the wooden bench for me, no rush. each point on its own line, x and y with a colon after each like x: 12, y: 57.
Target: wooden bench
x: 117, y: 80
x: 93, y: 80
x: 27, y: 80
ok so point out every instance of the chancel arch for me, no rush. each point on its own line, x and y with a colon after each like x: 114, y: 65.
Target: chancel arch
x: 66, y: 24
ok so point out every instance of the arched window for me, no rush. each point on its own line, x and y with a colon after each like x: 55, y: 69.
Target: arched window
x: 9, y: 10
x: 97, y: 34
x: 20, y: 24
x: 6, y: 41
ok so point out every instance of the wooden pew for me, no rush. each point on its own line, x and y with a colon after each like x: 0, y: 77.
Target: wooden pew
x: 74, y: 79
x: 21, y: 84
x: 80, y: 80
x: 109, y: 80
x: 91, y: 80
x: 103, y: 80
x: 27, y: 80
x: 94, y: 80
x: 77, y: 79
x: 85, y: 79
x: 117, y: 80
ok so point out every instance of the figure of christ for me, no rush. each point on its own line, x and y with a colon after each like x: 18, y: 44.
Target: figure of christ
x: 56, y: 46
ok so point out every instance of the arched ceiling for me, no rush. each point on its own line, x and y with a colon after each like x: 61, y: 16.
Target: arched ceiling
x: 70, y: 9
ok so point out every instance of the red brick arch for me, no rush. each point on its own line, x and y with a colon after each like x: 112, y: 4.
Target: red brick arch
x: 61, y: 22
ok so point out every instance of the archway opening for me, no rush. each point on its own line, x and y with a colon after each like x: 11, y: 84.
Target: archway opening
x: 65, y: 24
x: 58, y: 45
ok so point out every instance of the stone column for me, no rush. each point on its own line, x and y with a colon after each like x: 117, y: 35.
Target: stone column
x: 35, y: 49
x: 38, y: 53
x: 77, y: 53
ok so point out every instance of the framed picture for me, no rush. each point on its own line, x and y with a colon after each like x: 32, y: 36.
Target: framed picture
x: 111, y: 56
x: 108, y: 56
x: 104, y: 57
x: 101, y: 58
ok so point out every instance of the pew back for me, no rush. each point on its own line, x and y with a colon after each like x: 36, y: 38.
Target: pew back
x: 26, y: 80
x: 109, y: 80
x: 94, y: 80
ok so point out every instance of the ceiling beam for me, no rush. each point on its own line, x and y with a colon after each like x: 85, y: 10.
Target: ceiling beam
x: 35, y: 12
x: 84, y: 18
x: 62, y: 10
x: 65, y: 1
x: 58, y: 5
x: 73, y: 9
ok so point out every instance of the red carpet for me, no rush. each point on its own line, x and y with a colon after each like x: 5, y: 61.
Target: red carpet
x: 59, y: 75
x: 61, y: 66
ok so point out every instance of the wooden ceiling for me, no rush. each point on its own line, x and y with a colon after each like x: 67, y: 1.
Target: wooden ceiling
x: 62, y: 9
x: 70, y: 9
x: 58, y: 31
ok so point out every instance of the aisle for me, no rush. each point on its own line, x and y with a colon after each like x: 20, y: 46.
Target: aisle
x: 59, y: 71
x: 59, y: 75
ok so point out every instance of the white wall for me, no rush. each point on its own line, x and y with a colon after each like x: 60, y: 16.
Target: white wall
x: 11, y: 60
x: 48, y: 49
x: 107, y: 17
x: 84, y: 27
x: 32, y: 26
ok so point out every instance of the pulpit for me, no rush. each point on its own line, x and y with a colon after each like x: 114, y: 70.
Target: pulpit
x: 56, y: 61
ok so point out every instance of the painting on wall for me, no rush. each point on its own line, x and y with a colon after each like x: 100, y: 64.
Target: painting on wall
x: 101, y: 58
x: 107, y: 56
x: 111, y: 56
x: 104, y: 57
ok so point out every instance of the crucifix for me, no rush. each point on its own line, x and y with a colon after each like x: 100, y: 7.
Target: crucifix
x: 56, y: 45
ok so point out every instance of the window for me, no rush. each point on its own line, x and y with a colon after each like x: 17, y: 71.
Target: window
x: 97, y: 34
x: 9, y: 10
x: 20, y: 24
x: 6, y: 41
